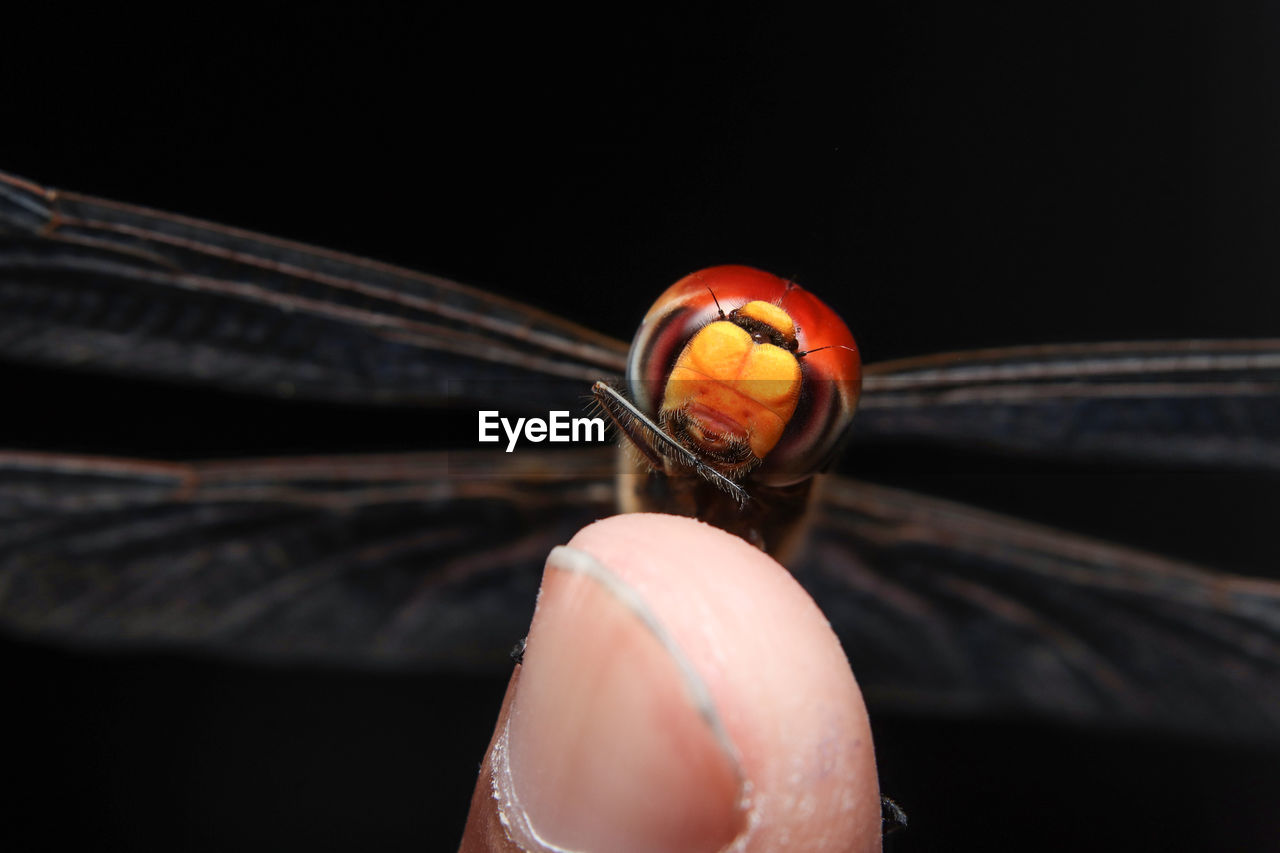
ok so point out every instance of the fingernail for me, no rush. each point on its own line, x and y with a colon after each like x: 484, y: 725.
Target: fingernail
x: 613, y: 742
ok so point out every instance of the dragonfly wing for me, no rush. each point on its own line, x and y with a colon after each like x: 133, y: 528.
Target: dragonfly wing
x: 1182, y: 402
x: 95, y: 284
x: 944, y: 608
x: 428, y: 561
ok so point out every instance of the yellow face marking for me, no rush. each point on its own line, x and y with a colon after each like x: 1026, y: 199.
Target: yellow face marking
x: 736, y: 385
x: 772, y: 316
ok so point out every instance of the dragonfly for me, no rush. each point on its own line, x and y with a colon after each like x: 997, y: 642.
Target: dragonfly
x: 429, y: 561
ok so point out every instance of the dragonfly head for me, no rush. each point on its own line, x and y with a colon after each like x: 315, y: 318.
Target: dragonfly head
x: 768, y: 388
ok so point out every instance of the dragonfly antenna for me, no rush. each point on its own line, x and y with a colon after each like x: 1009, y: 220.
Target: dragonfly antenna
x: 716, y: 301
x: 828, y: 346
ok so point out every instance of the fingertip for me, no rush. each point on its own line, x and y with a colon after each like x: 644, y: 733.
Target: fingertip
x: 680, y: 692
x: 613, y: 741
x: 776, y: 673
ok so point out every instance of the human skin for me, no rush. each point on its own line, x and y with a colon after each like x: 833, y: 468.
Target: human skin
x: 679, y: 692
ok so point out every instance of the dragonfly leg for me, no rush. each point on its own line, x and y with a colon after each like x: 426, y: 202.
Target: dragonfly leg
x: 892, y: 817
x: 517, y: 651
x: 654, y: 442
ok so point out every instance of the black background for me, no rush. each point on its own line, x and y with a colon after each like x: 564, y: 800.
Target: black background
x: 945, y: 177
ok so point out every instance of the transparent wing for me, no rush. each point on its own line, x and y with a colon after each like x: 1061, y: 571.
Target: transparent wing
x: 1180, y: 402
x: 111, y: 287
x: 431, y: 561
x: 105, y: 286
x: 947, y: 609
x: 428, y: 561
